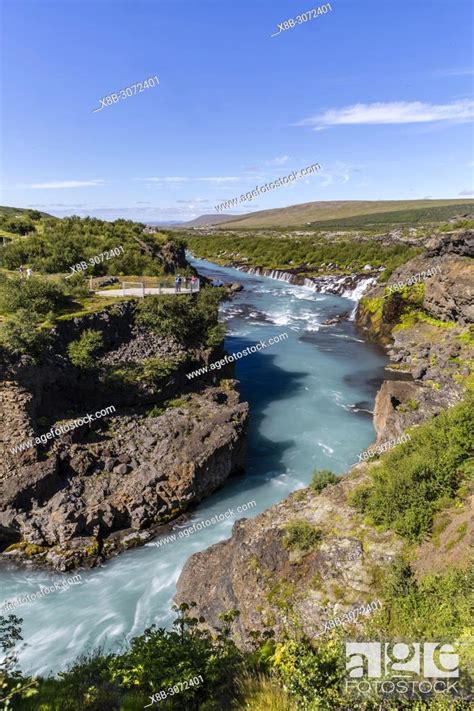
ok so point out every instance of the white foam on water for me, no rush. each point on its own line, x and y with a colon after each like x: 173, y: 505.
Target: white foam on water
x: 326, y: 448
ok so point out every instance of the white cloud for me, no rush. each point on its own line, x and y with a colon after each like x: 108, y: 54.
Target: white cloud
x: 180, y: 179
x: 197, y: 200
x: 466, y: 193
x: 170, y: 179
x: 220, y: 179
x: 469, y: 71
x: 395, y: 112
x: 175, y: 179
x: 340, y: 173
x: 64, y: 184
x: 279, y: 160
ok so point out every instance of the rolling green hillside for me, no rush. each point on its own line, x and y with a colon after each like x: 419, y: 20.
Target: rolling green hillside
x: 319, y: 214
x: 21, y: 212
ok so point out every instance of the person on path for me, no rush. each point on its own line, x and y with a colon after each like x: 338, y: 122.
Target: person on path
x: 193, y: 283
x: 186, y: 282
x: 177, y: 284
x: 29, y: 272
x: 22, y: 271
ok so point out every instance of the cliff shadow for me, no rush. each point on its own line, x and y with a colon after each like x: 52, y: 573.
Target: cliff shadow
x: 262, y: 382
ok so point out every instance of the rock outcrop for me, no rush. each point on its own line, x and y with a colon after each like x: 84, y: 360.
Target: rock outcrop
x: 133, y: 474
x: 280, y: 589
x: 166, y: 443
x: 428, y: 339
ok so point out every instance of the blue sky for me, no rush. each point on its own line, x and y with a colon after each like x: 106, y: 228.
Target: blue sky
x: 379, y: 92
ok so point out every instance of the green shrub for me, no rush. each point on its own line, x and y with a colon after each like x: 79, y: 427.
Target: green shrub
x: 63, y: 243
x: 321, y: 478
x: 37, y: 295
x: 301, y: 535
x: 312, y: 674
x: 81, y: 352
x: 20, y: 335
x: 155, y: 370
x: 435, y: 606
x: 156, y: 660
x: 13, y: 686
x: 215, y: 335
x: 191, y: 320
x: 418, y: 477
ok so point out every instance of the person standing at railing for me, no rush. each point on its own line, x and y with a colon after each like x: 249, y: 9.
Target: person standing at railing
x: 177, y: 284
x: 193, y: 283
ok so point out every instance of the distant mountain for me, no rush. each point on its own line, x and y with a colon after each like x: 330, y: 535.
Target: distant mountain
x: 163, y: 223
x: 334, y: 213
x: 204, y: 220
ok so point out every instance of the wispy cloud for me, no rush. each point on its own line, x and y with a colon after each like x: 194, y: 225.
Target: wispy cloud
x: 279, y: 160
x: 466, y: 193
x: 192, y: 202
x: 395, y: 112
x: 220, y: 179
x: 64, y: 184
x: 165, y: 179
x: 468, y: 71
x: 340, y: 173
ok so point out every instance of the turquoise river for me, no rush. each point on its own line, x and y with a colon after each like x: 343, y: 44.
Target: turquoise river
x: 310, y: 397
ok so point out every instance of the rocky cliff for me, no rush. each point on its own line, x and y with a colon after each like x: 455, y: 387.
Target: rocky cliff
x: 281, y: 588
x: 103, y: 486
x: 425, y: 323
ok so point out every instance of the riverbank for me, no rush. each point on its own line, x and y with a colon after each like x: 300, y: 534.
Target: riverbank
x: 106, y: 486
x: 426, y: 330
x: 317, y: 369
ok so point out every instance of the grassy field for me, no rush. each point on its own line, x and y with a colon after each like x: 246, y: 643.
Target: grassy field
x: 320, y: 213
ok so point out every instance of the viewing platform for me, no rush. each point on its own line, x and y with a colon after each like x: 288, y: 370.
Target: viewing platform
x: 140, y: 289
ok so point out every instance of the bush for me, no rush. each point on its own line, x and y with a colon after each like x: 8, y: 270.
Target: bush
x: 191, y: 320
x: 436, y: 606
x: 301, y: 535
x: 322, y: 478
x: 154, y: 661
x: 13, y: 685
x: 64, y: 243
x: 37, y: 295
x: 20, y: 335
x: 420, y: 476
x: 20, y: 226
x: 312, y: 675
x: 81, y: 352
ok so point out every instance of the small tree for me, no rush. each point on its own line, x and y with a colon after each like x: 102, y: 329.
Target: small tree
x: 81, y: 352
x: 20, y: 335
x: 321, y: 478
x: 38, y: 294
x: 12, y: 683
x: 301, y: 536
